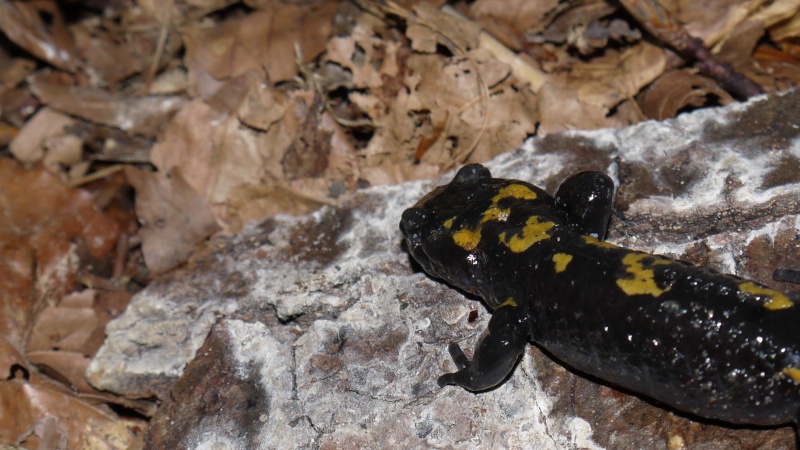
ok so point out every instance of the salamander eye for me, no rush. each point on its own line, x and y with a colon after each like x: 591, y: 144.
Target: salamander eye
x: 471, y: 174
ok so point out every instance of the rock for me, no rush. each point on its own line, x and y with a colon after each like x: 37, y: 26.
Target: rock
x: 319, y: 333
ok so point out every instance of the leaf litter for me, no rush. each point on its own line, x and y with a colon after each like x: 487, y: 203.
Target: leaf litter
x: 130, y: 131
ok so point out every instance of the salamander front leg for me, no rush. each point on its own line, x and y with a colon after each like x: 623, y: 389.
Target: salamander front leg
x: 495, y: 355
x: 587, y: 198
x: 788, y: 276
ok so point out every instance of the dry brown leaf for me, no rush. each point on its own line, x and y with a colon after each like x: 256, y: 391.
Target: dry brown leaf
x: 38, y: 415
x: 235, y: 168
x: 785, y: 30
x: 359, y: 53
x: 562, y: 110
x: 7, y: 133
x: 174, y: 217
x: 677, y: 90
x: 17, y: 105
x: 522, y: 65
x: 263, y: 39
x: 446, y: 94
x: 31, y: 143
x: 248, y: 185
x: 510, y: 21
x: 458, y: 34
x: 783, y: 67
x: 308, y: 155
x: 43, y: 224
x: 17, y: 264
x: 711, y: 21
x: 144, y: 115
x: 66, y: 326
x: 170, y: 82
x: 252, y: 203
x: 569, y: 25
x: 191, y: 147
x: 10, y: 355
x: 423, y: 39
x: 738, y: 49
x: 585, y: 98
x: 64, y: 366
x: 263, y: 107
x: 180, y: 13
x: 111, y: 61
x: 14, y: 71
x: 21, y: 22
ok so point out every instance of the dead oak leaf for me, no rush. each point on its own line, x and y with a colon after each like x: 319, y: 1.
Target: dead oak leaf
x: 22, y: 23
x: 174, y: 217
x: 457, y: 33
x: 142, y: 115
x: 65, y: 326
x: 43, y: 224
x: 510, y: 21
x: 584, y: 98
x: 38, y: 414
x: 264, y: 39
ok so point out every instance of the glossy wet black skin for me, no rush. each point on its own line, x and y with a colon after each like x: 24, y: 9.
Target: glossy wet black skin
x: 713, y: 345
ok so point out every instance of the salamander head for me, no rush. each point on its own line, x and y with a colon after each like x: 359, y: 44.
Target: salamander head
x: 452, y: 231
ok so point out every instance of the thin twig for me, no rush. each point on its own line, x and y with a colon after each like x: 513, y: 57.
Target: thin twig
x: 660, y: 23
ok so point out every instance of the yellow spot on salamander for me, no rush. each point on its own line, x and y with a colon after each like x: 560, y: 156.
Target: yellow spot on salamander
x: 643, y: 282
x: 495, y: 214
x: 515, y: 191
x: 467, y: 239
x: 561, y: 260
x: 533, y: 232
x: 793, y: 373
x: 594, y: 241
x: 776, y: 299
x: 508, y: 302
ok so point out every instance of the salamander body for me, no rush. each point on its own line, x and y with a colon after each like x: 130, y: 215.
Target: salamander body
x: 714, y: 345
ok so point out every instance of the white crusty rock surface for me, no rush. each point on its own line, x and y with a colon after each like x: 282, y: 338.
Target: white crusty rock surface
x: 316, y: 332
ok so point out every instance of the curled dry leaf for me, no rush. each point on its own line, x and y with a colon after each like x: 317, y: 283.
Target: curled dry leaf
x: 174, y: 217
x: 677, y: 90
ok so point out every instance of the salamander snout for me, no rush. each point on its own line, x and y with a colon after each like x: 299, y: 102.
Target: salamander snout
x: 412, y: 221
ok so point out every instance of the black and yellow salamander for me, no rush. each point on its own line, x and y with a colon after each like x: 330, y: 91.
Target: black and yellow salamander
x: 713, y: 345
